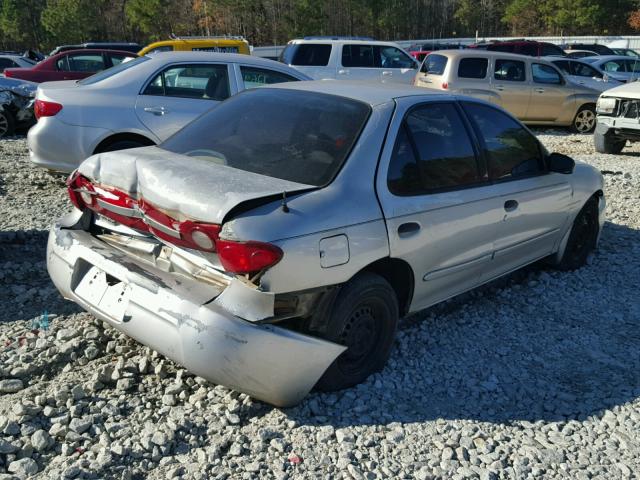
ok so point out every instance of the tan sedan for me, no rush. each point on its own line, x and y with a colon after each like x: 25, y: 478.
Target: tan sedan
x: 532, y: 89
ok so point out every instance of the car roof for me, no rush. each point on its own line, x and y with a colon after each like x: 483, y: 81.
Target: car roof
x: 474, y: 52
x: 341, y: 41
x: 93, y: 50
x: 372, y: 93
x: 601, y: 58
x: 187, y: 56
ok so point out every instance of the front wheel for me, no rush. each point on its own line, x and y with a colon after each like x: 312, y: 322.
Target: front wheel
x: 583, y: 237
x: 364, y: 319
x: 7, y: 123
x: 585, y: 119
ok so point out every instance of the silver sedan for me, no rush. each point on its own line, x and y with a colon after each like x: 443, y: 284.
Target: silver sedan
x: 140, y: 102
x: 277, y: 258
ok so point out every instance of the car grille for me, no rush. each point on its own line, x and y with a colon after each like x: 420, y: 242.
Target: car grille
x: 628, y: 109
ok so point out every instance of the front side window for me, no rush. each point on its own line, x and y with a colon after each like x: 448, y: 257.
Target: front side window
x: 582, y: 70
x: 434, y: 64
x: 392, y: 57
x: 551, y: 50
x: 565, y: 66
x: 473, y: 68
x: 433, y: 145
x: 511, y: 150
x: 306, y: 54
x: 529, y: 49
x: 545, y: 74
x: 633, y: 66
x: 209, y: 82
x: 85, y: 62
x: 509, y: 70
x: 614, y: 66
x: 299, y: 136
x: 62, y: 64
x: 256, y: 77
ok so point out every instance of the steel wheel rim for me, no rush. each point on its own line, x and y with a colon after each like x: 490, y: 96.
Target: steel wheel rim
x: 585, y: 121
x: 4, y: 125
x: 360, y: 335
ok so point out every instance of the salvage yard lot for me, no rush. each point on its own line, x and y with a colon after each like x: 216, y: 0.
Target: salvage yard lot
x: 536, y: 375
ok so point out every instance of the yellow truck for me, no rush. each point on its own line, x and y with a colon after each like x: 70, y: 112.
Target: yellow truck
x: 225, y: 44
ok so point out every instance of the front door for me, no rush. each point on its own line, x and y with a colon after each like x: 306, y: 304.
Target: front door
x: 359, y: 62
x: 397, y: 66
x: 534, y: 203
x: 180, y: 93
x: 77, y: 66
x: 549, y: 93
x: 436, y: 201
x: 511, y: 86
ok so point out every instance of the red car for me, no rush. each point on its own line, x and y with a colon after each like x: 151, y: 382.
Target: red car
x: 523, y: 47
x: 70, y: 65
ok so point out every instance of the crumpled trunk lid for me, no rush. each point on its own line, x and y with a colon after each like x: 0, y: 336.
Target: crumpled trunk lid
x: 182, y: 186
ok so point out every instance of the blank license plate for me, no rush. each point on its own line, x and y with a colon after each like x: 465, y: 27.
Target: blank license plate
x: 105, y: 292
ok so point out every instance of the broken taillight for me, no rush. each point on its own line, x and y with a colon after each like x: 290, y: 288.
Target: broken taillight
x: 236, y: 257
x: 247, y: 257
x: 44, y: 108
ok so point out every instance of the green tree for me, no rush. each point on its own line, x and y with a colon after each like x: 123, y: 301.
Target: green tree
x: 72, y: 21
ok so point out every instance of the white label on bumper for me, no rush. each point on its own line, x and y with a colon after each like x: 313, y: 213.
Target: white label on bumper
x: 108, y: 296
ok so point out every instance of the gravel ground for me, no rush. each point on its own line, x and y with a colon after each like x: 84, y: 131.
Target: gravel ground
x: 534, y: 376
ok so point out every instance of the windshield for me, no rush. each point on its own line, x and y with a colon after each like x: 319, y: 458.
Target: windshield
x: 292, y: 135
x: 110, y: 72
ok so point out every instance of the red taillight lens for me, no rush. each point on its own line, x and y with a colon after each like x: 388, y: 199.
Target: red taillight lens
x: 43, y: 108
x: 81, y: 191
x: 201, y: 236
x: 445, y: 85
x: 247, y: 257
x: 8, y: 73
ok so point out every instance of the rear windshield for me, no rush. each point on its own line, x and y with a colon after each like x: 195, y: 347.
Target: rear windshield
x: 292, y: 135
x: 306, y: 54
x: 110, y: 72
x: 434, y: 64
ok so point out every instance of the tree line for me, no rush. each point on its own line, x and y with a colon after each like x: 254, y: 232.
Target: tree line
x: 43, y: 24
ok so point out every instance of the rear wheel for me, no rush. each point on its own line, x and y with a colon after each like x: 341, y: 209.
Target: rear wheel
x: 7, y: 124
x: 607, y: 143
x: 364, y: 319
x: 583, y: 237
x: 122, y: 145
x: 585, y: 119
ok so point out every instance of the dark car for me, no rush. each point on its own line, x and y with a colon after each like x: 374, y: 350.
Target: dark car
x: 420, y: 50
x: 16, y: 105
x: 122, y: 46
x: 594, y: 47
x: 523, y: 47
x: 72, y: 65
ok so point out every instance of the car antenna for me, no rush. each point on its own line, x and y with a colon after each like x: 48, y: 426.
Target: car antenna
x: 285, y: 207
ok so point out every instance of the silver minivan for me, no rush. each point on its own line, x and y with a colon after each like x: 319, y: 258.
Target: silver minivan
x: 532, y: 89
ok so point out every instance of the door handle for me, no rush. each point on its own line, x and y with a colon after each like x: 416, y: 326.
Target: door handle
x: 387, y: 72
x: 540, y: 90
x: 159, y: 111
x: 343, y: 72
x: 499, y: 87
x: 510, y: 205
x: 407, y: 229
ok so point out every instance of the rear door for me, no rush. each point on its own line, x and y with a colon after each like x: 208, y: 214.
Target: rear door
x: 534, y: 203
x: 548, y: 94
x: 436, y: 201
x: 360, y: 62
x: 249, y: 76
x: 511, y: 85
x: 179, y: 93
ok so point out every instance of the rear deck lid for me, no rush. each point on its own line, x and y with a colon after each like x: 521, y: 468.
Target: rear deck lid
x: 183, y: 186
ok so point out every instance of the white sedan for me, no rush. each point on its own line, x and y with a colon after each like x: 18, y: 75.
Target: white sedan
x: 139, y: 103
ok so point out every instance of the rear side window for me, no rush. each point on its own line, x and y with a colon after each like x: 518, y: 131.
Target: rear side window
x: 498, y: 47
x: 545, y: 74
x: 434, y: 64
x: 564, y: 65
x: 363, y: 56
x: 307, y: 54
x: 582, y: 70
x: 529, y: 49
x: 551, y: 50
x: 473, y: 68
x: 432, y: 152
x: 79, y: 62
x: 512, y: 152
x: 256, y: 77
x: 209, y: 82
x: 509, y: 70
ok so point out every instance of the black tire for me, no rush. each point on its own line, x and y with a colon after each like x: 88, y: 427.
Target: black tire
x: 7, y: 124
x: 585, y: 119
x: 582, y: 239
x: 122, y: 145
x: 608, y: 143
x: 364, y: 318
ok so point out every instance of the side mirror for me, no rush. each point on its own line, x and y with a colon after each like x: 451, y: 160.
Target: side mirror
x: 605, y: 77
x: 560, y: 163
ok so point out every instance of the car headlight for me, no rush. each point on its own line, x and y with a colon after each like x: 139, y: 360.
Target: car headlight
x: 605, y: 105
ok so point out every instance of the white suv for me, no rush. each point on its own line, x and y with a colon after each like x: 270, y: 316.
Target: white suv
x: 352, y: 58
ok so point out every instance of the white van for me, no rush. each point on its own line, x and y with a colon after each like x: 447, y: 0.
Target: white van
x: 346, y: 58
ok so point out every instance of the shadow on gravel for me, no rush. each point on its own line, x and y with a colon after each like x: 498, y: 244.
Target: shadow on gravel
x: 27, y: 290
x: 537, y: 345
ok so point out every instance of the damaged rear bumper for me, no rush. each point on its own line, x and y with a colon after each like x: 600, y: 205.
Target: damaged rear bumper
x: 270, y: 363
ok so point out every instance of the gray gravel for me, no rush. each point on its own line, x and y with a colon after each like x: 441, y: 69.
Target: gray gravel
x: 534, y: 376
